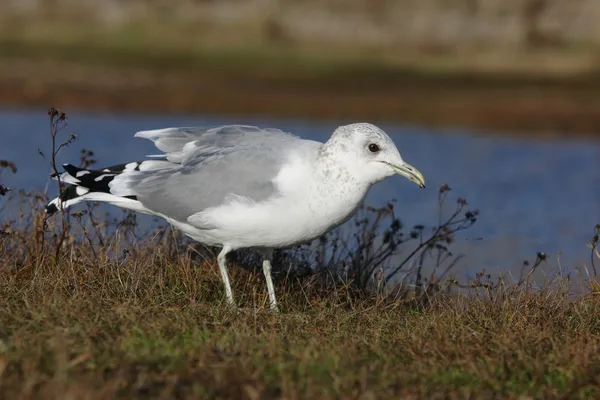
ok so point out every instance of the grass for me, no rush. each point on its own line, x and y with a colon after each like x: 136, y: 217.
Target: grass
x: 92, y: 309
x: 153, y: 325
x: 147, y: 318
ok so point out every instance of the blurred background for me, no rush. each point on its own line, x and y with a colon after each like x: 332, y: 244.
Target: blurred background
x: 503, y: 64
x: 498, y: 98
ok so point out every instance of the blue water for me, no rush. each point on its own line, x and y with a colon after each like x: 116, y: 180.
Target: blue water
x: 533, y: 194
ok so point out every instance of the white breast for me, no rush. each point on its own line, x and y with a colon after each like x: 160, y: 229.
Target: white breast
x: 308, y: 204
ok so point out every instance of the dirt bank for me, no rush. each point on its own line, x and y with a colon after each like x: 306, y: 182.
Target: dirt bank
x: 563, y: 107
x: 510, y: 65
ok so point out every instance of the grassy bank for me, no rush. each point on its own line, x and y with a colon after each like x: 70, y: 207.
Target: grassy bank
x: 144, y: 320
x: 136, y: 70
x: 92, y: 307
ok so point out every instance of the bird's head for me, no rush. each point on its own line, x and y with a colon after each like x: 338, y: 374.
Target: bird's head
x: 370, y: 154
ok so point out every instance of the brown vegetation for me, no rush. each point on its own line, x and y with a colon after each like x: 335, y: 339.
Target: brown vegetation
x: 565, y: 107
x: 140, y: 319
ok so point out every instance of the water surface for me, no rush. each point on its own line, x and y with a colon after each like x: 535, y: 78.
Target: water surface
x: 533, y: 194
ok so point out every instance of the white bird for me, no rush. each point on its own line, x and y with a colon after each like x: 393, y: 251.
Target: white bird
x: 242, y: 186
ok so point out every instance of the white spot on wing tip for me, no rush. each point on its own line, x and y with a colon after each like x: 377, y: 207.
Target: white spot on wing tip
x: 66, y: 178
x: 99, y: 178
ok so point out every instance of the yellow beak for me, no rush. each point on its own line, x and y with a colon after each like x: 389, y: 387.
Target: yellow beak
x: 410, y: 173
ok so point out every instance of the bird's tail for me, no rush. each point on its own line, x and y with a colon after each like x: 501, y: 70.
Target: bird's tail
x: 91, y: 185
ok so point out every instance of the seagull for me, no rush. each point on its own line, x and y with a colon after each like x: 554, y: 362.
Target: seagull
x: 245, y: 187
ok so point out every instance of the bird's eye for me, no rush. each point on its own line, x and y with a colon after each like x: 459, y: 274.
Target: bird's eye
x: 373, y: 148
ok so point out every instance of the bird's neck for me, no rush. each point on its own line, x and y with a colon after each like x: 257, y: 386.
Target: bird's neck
x: 339, y: 190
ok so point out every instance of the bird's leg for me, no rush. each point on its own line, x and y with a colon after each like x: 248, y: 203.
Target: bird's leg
x: 267, y: 271
x: 223, y: 268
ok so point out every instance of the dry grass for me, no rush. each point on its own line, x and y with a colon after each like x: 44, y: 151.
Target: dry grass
x: 146, y: 319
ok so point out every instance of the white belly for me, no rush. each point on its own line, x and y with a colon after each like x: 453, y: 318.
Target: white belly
x: 278, y: 223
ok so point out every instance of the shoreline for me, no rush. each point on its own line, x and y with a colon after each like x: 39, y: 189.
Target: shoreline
x: 520, y: 105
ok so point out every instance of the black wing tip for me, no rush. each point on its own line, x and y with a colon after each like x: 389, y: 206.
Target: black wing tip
x: 51, y: 209
x: 65, y: 166
x: 72, y: 170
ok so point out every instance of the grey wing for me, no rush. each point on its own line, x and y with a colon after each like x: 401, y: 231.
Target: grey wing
x: 178, y: 144
x: 214, y: 164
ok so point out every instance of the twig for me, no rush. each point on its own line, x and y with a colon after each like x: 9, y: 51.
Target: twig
x: 460, y: 225
x: 57, y: 121
x: 594, y: 246
x: 539, y: 258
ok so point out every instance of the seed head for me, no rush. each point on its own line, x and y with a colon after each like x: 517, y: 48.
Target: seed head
x: 52, y: 112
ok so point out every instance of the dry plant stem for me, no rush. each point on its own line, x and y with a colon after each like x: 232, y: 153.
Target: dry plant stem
x: 55, y: 120
x: 362, y: 259
x: 594, y: 247
x: 447, y: 228
x: 5, y: 164
x: 85, y: 232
